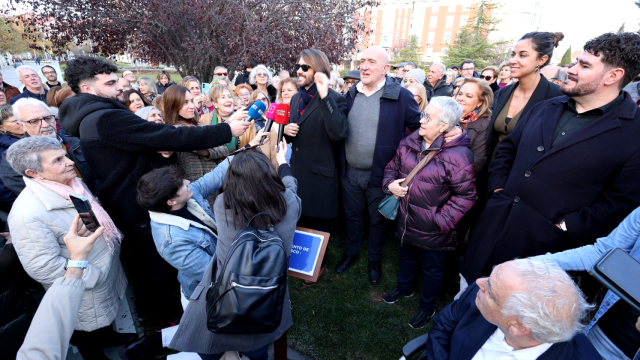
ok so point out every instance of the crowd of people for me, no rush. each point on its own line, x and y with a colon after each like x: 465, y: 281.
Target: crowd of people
x: 521, y: 172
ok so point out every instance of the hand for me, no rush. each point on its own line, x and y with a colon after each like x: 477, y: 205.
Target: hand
x: 291, y: 130
x: 203, y: 153
x: 453, y: 134
x: 261, y: 134
x: 7, y: 236
x: 322, y: 84
x: 79, y: 241
x: 205, y: 99
x: 638, y: 324
x: 239, y: 115
x: 281, y: 152
x: 239, y: 127
x: 165, y: 154
x: 398, y: 190
x: 498, y: 189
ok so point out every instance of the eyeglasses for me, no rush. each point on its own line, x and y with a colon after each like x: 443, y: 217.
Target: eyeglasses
x: 262, y: 75
x: 487, y: 77
x: 304, y: 68
x: 35, y: 122
x: 350, y: 82
x: 222, y: 74
x: 49, y: 73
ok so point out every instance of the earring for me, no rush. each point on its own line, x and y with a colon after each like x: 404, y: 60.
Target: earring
x: 537, y: 68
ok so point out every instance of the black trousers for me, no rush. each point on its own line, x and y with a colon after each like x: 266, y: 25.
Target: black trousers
x: 155, y: 282
x: 357, y: 196
x: 91, y: 344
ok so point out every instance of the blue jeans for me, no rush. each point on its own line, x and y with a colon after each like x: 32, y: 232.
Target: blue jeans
x: 257, y: 354
x: 358, y: 195
x: 433, y: 269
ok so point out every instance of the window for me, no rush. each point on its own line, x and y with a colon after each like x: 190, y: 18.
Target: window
x: 385, y: 38
x: 431, y: 37
x: 433, y: 22
x: 397, y: 38
x: 446, y: 37
x: 464, y: 19
x: 449, y: 23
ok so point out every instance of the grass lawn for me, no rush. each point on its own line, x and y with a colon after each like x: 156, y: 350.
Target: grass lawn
x: 344, y: 317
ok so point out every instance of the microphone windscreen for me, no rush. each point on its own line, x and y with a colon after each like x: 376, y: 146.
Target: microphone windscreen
x: 256, y: 110
x: 282, y: 114
x: 271, y: 112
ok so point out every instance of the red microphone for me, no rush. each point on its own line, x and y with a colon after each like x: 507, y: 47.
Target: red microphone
x: 282, y: 119
x: 271, y: 116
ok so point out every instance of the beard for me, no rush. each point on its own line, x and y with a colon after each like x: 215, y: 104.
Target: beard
x: 308, y: 79
x: 101, y: 94
x: 580, y: 89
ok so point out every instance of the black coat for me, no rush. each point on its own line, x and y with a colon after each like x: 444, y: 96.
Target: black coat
x: 460, y: 330
x: 162, y: 88
x: 271, y: 91
x: 313, y: 155
x: 16, y: 306
x: 120, y: 147
x: 590, y: 180
x: 545, y: 90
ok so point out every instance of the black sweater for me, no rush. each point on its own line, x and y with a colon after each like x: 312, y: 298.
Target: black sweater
x: 120, y: 147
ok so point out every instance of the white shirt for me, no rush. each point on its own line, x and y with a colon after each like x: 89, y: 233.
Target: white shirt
x: 360, y: 87
x: 496, y: 348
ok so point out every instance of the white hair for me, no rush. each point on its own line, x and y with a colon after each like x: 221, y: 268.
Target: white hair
x: 450, y: 110
x: 150, y: 84
x: 553, y: 306
x: 24, y: 154
x: 443, y: 69
x: 24, y: 67
x: 30, y: 102
x: 252, y: 74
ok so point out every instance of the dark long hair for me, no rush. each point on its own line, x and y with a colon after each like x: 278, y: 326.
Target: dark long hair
x: 544, y: 43
x: 252, y: 186
x: 131, y: 91
x: 172, y: 101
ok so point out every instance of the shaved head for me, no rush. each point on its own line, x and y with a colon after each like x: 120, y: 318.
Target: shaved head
x: 378, y: 52
x: 374, y: 66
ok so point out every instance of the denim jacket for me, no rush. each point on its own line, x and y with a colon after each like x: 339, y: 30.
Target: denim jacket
x: 626, y: 236
x: 187, y: 245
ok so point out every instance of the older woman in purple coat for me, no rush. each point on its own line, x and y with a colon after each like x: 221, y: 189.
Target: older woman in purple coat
x: 432, y: 204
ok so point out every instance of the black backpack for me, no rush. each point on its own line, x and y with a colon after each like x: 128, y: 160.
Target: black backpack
x: 248, y: 293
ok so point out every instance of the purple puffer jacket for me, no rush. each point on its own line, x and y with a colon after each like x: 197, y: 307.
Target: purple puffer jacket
x: 439, y: 195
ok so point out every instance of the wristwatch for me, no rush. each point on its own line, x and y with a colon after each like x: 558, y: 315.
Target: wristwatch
x: 563, y: 225
x: 76, y: 263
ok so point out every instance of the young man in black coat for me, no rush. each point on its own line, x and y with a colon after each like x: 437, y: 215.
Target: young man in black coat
x: 569, y: 171
x: 120, y: 147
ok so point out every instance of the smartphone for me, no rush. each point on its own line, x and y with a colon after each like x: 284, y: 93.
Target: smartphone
x: 619, y: 272
x: 83, y: 206
x: 205, y: 88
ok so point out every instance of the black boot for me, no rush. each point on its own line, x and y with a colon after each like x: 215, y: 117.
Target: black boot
x: 345, y: 264
x: 147, y: 347
x: 375, y: 272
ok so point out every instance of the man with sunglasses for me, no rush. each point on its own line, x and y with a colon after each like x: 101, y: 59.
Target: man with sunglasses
x: 35, y: 119
x: 317, y: 123
x: 436, y: 81
x: 220, y: 72
x: 379, y: 112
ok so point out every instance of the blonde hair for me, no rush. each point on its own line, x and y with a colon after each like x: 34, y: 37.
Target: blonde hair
x: 486, y: 95
x: 217, y: 91
x: 506, y: 63
x: 254, y: 97
x: 422, y: 92
x: 285, y: 81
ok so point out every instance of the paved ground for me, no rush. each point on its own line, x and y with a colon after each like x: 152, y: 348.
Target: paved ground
x: 10, y: 77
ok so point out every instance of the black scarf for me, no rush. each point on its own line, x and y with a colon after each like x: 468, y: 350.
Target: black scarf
x: 306, y: 96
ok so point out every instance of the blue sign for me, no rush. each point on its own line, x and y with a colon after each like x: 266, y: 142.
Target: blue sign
x: 305, y: 252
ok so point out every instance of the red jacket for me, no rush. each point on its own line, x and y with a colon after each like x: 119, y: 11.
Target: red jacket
x: 439, y: 195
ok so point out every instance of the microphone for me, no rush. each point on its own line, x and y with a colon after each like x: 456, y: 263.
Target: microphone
x: 255, y: 111
x: 282, y: 119
x: 271, y: 116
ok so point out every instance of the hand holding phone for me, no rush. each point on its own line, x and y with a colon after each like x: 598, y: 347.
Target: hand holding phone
x: 83, y: 206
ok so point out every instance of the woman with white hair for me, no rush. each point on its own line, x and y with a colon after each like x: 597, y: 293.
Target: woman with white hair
x: 260, y: 79
x: 39, y: 220
x: 151, y: 113
x: 431, y: 203
x: 148, y: 88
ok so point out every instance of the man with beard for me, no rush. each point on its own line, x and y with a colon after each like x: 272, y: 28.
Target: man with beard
x: 317, y: 122
x: 568, y: 174
x: 120, y: 147
x: 34, y: 117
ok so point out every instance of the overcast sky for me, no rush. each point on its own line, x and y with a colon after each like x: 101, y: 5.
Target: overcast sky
x: 580, y: 21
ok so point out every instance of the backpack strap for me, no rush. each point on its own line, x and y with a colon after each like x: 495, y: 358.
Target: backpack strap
x: 262, y: 213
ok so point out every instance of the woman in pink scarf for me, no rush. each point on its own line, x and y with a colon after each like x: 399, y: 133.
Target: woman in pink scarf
x: 39, y: 220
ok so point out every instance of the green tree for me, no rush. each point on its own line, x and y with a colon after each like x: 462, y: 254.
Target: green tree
x: 408, y: 51
x: 11, y: 37
x: 566, y: 58
x: 621, y: 30
x: 473, y: 41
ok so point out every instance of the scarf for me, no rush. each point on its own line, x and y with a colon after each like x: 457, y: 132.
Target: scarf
x: 214, y: 121
x: 111, y: 234
x: 466, y: 119
x: 306, y: 96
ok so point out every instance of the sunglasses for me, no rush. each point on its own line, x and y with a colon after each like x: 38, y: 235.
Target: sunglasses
x: 221, y: 74
x: 486, y: 77
x: 304, y: 68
